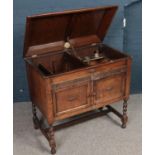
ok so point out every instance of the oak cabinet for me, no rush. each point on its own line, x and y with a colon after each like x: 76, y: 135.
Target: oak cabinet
x: 70, y: 70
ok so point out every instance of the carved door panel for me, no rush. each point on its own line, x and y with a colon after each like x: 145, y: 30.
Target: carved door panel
x: 108, y: 87
x: 71, y: 96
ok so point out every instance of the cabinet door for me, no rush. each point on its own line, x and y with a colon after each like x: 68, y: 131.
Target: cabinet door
x: 72, y: 96
x: 109, y: 88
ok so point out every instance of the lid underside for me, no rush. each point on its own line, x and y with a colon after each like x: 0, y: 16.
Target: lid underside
x: 49, y: 32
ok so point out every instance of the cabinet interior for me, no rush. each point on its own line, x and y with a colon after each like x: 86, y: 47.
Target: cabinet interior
x: 72, y: 59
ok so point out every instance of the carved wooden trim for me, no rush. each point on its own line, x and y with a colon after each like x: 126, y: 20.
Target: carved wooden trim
x: 69, y: 83
x: 107, y: 74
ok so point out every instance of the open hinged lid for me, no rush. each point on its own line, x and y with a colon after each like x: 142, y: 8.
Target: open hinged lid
x: 49, y: 32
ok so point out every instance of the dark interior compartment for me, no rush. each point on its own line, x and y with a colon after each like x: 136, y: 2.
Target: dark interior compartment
x: 57, y: 63
x: 65, y: 61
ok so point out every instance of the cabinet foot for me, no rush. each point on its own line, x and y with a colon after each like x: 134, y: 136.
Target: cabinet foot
x: 53, y: 151
x: 124, y: 117
x: 123, y: 126
x: 52, y: 140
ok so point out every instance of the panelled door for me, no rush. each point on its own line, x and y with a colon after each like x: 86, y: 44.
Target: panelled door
x: 71, y: 96
x: 108, y: 87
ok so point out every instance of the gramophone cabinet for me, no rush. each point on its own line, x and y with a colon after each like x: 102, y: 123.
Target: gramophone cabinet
x: 71, y: 71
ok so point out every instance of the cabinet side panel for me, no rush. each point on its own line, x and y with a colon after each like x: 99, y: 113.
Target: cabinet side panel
x: 40, y: 92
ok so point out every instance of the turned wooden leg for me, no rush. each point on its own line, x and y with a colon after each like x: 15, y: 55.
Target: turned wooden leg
x: 125, y: 117
x: 34, y: 111
x: 52, y: 140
